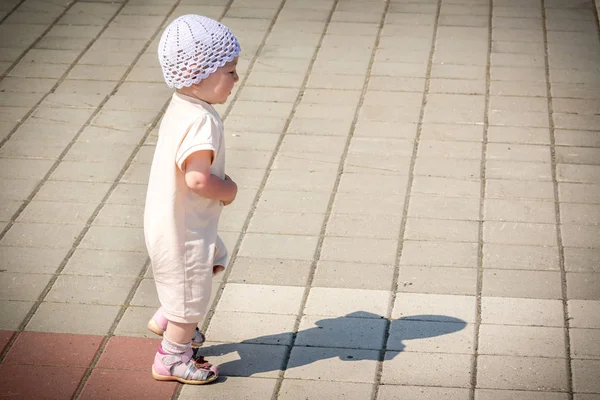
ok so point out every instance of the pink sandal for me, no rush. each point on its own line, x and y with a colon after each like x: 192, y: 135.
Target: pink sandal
x: 183, y: 368
x: 158, y: 325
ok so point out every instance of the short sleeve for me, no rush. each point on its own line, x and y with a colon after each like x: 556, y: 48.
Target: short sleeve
x: 202, y: 135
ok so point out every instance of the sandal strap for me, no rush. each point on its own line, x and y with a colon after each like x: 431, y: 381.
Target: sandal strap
x: 197, y: 369
x: 194, y: 373
x: 172, y: 360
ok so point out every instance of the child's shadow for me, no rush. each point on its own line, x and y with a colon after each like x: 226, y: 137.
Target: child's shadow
x: 357, y: 336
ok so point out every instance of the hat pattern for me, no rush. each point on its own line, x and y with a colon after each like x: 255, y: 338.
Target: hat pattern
x: 192, y: 47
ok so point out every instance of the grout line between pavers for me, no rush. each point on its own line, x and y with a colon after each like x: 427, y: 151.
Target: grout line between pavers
x: 407, y: 198
x: 242, y: 84
x: 36, y: 41
x: 482, y: 176
x: 8, y: 14
x: 101, y: 204
x: 596, y: 11
x: 144, y: 269
x: 114, y: 184
x: 278, y: 145
x: 236, y: 248
x: 79, y: 132
x: 56, y: 85
x: 77, y: 240
x: 334, y: 189
x: 559, y: 241
x: 61, y: 266
x: 111, y: 330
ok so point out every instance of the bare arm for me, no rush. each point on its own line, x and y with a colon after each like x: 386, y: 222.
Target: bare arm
x: 199, y: 179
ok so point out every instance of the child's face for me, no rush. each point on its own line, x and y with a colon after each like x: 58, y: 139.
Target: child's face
x: 216, y: 88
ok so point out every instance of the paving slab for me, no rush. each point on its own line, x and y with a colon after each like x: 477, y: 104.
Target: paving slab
x: 236, y: 387
x: 270, y: 271
x: 437, y: 280
x: 293, y: 389
x: 528, y: 312
x: 584, y: 343
x: 337, y: 274
x: 360, y: 249
x: 88, y: 319
x: 526, y: 373
x: 524, y: 341
x: 448, y: 335
x: 427, y: 369
x: 332, y: 364
x: 489, y: 394
x: 397, y: 392
x: 59, y: 350
x: 105, y: 263
x: 522, y: 284
x: 253, y: 328
x: 14, y: 313
x: 354, y: 333
x: 58, y: 382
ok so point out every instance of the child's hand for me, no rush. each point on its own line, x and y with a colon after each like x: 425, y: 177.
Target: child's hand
x: 217, y: 269
x: 227, y: 178
x: 199, y: 179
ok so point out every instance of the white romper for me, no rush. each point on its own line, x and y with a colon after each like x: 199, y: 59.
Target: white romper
x: 180, y: 227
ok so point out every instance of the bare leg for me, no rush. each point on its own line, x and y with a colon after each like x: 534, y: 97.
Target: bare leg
x: 181, y: 333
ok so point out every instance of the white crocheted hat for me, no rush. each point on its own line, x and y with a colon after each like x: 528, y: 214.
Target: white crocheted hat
x: 192, y: 47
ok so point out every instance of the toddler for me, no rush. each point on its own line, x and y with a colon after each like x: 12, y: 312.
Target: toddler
x: 187, y: 189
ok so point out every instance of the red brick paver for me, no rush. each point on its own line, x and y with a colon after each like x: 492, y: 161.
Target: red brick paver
x: 39, y: 382
x: 54, y: 349
x: 123, y: 371
x: 126, y: 384
x: 130, y: 353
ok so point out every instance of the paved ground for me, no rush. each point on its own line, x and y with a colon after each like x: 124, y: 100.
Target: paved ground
x: 419, y: 215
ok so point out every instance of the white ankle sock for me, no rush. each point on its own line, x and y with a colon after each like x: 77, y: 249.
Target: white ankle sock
x: 172, y: 347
